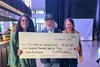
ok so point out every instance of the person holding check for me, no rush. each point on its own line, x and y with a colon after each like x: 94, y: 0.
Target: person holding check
x: 71, y: 62
x: 50, y: 28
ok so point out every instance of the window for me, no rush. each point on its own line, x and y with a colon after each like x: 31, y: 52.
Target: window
x: 33, y: 12
x: 39, y: 24
x: 38, y: 19
x: 38, y: 12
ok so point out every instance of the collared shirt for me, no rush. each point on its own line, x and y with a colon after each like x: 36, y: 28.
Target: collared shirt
x: 51, y: 31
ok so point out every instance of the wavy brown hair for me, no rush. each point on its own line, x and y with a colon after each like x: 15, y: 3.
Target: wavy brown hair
x: 72, y: 22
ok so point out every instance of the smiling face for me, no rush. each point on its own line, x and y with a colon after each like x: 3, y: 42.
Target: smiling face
x: 68, y: 25
x: 24, y: 22
x: 49, y: 24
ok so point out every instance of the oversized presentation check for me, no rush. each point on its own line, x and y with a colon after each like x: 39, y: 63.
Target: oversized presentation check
x: 48, y: 45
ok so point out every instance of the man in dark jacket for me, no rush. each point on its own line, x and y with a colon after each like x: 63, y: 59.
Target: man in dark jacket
x: 50, y: 28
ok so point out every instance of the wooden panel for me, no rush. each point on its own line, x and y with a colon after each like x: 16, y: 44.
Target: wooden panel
x: 0, y: 59
x: 4, y: 53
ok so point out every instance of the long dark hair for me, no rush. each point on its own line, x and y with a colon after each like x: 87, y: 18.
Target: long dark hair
x: 72, y: 22
x: 19, y: 28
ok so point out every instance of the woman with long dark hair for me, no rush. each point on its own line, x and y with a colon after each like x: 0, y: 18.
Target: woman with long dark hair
x: 25, y: 24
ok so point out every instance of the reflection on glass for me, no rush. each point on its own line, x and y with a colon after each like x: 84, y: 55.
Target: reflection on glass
x: 99, y: 52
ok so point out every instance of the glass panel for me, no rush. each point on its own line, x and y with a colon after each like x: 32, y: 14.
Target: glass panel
x: 39, y: 26
x: 33, y: 11
x: 40, y: 20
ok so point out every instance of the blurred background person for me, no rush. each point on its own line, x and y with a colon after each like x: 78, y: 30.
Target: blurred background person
x: 7, y: 34
x: 14, y: 27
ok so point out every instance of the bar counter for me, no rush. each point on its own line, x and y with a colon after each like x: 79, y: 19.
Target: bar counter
x: 3, y: 53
